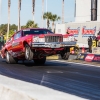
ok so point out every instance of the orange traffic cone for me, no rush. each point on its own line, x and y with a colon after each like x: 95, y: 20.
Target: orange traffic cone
x: 83, y: 49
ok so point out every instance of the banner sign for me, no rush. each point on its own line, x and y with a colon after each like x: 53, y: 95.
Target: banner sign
x: 88, y: 32
x: 84, y: 31
x: 89, y: 57
x: 75, y: 32
x: 96, y: 58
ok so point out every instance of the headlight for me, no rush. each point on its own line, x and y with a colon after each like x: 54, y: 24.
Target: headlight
x: 41, y: 39
x: 35, y: 39
x: 70, y: 38
x: 65, y: 39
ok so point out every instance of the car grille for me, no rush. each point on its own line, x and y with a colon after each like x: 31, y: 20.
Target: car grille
x: 53, y: 39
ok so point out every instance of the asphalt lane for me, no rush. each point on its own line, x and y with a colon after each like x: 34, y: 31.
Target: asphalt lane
x: 77, y: 79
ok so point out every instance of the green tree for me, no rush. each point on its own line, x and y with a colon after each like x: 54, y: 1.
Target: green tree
x: 13, y: 27
x: 23, y: 27
x: 53, y: 19
x: 3, y: 28
x: 47, y: 16
x: 11, y: 32
x: 31, y: 24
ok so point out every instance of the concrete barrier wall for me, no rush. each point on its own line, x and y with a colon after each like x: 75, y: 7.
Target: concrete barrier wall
x: 9, y: 94
x: 12, y: 89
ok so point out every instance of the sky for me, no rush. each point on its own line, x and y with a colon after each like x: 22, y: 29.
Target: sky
x: 54, y: 6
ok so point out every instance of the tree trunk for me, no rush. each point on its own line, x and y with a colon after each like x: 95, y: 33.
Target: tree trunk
x: 42, y: 13
x: 62, y: 11
x: 33, y: 15
x: 8, y: 20
x: 18, y: 19
x: 33, y: 8
x: 52, y: 26
x: 48, y: 23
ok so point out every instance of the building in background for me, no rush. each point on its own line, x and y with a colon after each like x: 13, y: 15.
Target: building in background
x: 87, y: 21
x: 87, y: 10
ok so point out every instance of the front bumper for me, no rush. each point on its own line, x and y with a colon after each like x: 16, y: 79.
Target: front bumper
x: 53, y: 44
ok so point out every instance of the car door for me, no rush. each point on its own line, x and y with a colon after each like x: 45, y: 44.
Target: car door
x: 17, y: 44
x: 9, y: 44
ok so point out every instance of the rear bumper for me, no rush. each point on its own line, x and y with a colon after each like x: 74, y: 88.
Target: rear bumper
x: 53, y: 44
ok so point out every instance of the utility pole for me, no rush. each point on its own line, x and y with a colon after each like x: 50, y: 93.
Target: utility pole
x: 62, y: 11
x: 19, y: 8
x: 33, y: 8
x: 42, y: 12
x: 9, y: 3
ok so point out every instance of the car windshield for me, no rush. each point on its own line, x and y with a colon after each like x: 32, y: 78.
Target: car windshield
x: 36, y: 31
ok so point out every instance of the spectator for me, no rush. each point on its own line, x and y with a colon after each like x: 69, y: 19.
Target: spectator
x: 98, y: 39
x: 90, y: 43
x: 67, y: 32
x: 94, y: 37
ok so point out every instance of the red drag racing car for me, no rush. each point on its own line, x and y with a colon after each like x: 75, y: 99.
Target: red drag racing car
x: 36, y: 44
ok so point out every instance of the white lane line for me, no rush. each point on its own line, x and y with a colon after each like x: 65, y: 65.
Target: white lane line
x: 73, y: 63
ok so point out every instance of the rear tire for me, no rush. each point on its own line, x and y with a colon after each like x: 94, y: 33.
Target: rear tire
x: 40, y: 61
x: 10, y: 59
x: 65, y: 55
x: 28, y: 53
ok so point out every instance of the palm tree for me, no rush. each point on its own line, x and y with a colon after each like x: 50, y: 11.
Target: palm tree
x: 62, y: 11
x: 42, y: 12
x: 47, y: 16
x: 53, y: 19
x: 31, y: 24
x: 19, y: 8
x: 9, y: 3
x: 33, y: 8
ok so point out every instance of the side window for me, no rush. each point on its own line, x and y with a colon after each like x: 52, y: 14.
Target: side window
x: 17, y: 35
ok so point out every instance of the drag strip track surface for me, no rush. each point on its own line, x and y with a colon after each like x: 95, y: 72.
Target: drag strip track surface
x: 77, y: 79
